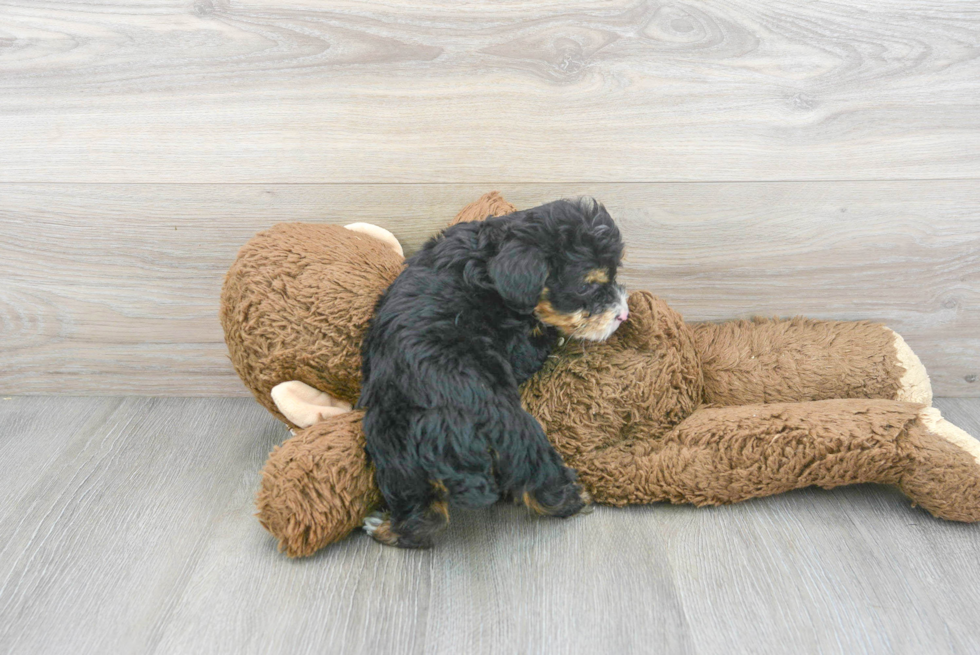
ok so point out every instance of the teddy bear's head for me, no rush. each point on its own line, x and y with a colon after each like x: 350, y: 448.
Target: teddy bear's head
x: 295, y: 305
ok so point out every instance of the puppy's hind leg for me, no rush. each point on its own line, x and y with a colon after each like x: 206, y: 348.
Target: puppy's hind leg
x: 417, y: 508
x: 530, y: 468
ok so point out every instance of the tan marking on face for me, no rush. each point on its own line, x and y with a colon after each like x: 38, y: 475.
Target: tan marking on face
x: 439, y: 487
x: 566, y: 323
x: 578, y: 324
x: 597, y: 276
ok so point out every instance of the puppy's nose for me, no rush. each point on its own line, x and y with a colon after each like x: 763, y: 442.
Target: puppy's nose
x: 623, y: 315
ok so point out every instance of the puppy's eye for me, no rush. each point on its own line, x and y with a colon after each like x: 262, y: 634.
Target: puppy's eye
x: 586, y: 287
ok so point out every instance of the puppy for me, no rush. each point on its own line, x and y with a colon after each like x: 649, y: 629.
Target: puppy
x: 475, y: 313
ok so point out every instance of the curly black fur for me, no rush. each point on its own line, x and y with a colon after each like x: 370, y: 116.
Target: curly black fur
x: 474, y: 314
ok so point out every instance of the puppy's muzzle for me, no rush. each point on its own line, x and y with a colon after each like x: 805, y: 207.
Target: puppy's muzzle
x: 582, y: 325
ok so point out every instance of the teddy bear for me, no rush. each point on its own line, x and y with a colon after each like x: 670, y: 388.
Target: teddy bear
x: 662, y: 411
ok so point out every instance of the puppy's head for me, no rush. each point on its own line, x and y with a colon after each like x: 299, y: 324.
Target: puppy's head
x: 560, y: 261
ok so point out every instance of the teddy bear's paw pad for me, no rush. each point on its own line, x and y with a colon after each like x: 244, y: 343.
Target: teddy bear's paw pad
x: 915, y: 386
x: 303, y: 405
x: 933, y: 420
x: 378, y: 233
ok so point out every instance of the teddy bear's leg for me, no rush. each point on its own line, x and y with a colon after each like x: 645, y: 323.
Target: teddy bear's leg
x: 722, y: 455
x: 796, y: 360
x: 318, y: 486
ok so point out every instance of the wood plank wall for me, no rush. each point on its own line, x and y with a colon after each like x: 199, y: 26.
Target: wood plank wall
x: 763, y: 158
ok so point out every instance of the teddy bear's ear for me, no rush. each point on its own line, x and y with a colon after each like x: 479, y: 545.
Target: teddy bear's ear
x: 303, y: 405
x: 378, y: 233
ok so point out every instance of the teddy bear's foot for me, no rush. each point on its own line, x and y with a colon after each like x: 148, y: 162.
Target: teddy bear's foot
x: 914, y: 386
x: 944, y: 475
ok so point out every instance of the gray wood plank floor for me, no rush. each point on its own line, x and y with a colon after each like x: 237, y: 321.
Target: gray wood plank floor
x: 128, y: 527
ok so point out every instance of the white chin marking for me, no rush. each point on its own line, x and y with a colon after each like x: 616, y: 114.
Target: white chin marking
x: 621, y: 306
x: 600, y: 336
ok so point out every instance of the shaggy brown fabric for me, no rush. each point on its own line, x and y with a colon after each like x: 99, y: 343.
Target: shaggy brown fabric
x: 770, y: 361
x: 662, y: 411
x: 295, y: 304
x: 323, y: 477
x: 658, y: 443
x: 940, y: 476
x: 489, y: 204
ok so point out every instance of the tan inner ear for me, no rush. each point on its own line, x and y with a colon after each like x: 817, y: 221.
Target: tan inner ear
x: 378, y: 233
x: 303, y: 405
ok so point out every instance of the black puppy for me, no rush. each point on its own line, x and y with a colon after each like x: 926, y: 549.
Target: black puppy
x: 474, y: 314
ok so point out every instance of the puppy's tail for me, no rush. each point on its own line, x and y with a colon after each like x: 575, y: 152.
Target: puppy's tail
x: 456, y: 458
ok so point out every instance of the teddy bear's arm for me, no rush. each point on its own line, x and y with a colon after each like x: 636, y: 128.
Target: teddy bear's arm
x: 795, y: 360
x: 722, y: 455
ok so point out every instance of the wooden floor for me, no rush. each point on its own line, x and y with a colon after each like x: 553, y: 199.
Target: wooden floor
x: 762, y: 157
x: 127, y: 528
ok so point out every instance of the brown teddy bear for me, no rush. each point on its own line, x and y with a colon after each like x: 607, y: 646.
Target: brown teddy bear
x: 663, y: 411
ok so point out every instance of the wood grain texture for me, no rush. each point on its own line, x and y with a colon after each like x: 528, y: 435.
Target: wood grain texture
x: 478, y: 92
x: 112, y: 525
x: 129, y: 527
x: 114, y: 288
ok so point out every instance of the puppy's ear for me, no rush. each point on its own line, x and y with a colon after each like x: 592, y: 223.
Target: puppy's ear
x: 519, y: 272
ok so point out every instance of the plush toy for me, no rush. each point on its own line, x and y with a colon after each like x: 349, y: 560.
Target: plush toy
x: 663, y: 411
